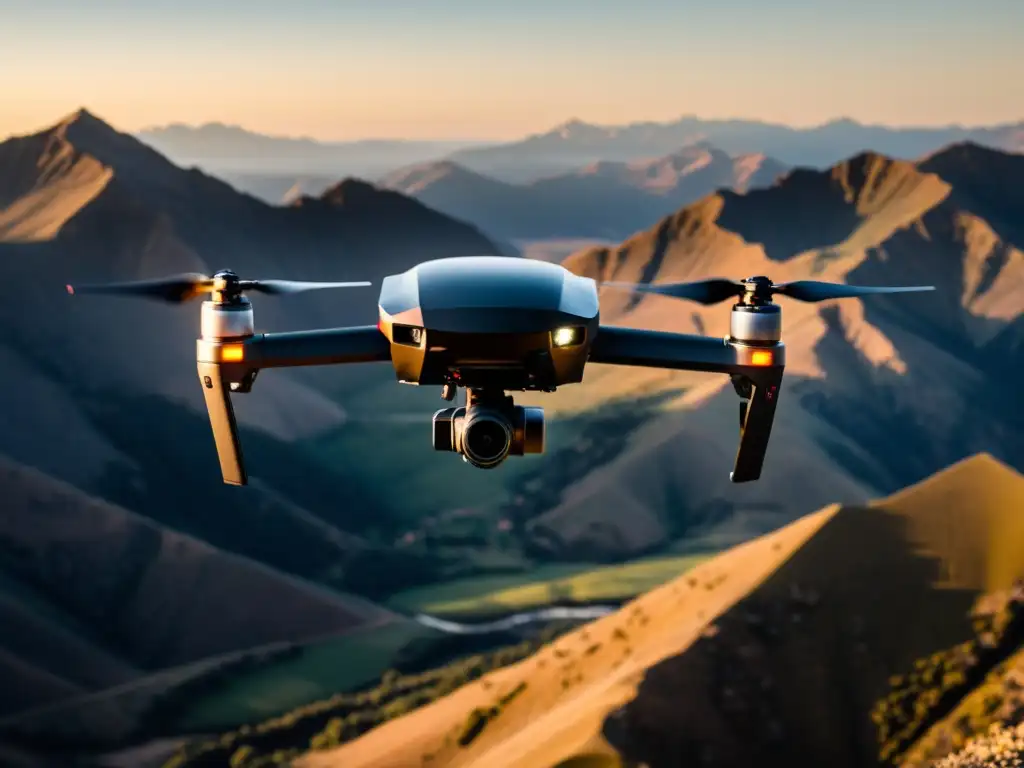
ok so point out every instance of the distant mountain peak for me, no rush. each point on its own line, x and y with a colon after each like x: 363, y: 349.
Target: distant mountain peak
x: 575, y: 129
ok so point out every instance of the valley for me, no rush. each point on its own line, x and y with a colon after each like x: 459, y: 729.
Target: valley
x: 160, y: 612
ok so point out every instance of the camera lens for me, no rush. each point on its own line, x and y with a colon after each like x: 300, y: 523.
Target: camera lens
x: 487, y: 439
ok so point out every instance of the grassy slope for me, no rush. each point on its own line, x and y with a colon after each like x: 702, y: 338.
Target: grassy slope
x: 218, y: 692
x: 578, y: 582
x: 824, y: 610
x: 323, y: 669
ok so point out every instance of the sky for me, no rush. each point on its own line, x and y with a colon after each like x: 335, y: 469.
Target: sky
x: 502, y: 69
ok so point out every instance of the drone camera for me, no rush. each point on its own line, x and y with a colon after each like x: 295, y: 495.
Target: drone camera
x: 487, y: 435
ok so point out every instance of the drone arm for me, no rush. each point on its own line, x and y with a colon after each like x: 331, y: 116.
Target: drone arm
x: 222, y: 364
x: 759, y: 367
x: 329, y: 346
x: 614, y: 345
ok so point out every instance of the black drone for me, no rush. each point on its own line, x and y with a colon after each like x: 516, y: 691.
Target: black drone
x: 491, y: 324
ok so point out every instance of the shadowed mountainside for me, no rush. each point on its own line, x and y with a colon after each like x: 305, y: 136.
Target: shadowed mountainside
x: 602, y: 200
x: 796, y: 646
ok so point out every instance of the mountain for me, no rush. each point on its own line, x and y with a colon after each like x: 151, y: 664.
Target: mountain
x: 231, y: 149
x: 115, y: 519
x: 603, y: 200
x: 841, y: 639
x: 879, y: 392
x: 576, y: 143
x: 94, y: 595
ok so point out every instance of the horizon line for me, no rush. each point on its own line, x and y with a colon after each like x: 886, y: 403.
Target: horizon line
x: 565, y: 123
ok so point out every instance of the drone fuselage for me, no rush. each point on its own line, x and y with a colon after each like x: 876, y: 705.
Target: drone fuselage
x: 489, y: 323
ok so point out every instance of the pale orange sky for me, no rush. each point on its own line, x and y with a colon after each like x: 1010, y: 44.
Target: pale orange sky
x: 350, y: 69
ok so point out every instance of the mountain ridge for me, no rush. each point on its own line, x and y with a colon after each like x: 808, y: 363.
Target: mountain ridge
x: 577, y: 143
x: 605, y: 199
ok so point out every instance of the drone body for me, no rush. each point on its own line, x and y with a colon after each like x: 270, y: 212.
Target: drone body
x: 492, y: 325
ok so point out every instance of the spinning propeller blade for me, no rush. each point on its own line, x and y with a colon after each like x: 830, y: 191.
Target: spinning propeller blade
x: 812, y: 290
x: 178, y: 289
x: 282, y: 287
x: 710, y: 291
x: 716, y: 290
x: 175, y: 289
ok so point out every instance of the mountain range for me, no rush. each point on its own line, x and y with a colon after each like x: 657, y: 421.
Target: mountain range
x: 576, y: 143
x: 231, y: 149
x: 105, y: 447
x: 608, y: 200
x: 247, y: 158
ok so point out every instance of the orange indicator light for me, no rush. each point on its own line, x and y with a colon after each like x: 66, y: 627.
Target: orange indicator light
x: 761, y: 357
x: 232, y: 353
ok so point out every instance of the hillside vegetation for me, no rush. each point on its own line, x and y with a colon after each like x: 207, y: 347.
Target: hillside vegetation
x: 862, y: 610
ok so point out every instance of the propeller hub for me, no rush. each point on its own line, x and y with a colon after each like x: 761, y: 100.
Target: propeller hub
x: 227, y: 288
x: 758, y: 290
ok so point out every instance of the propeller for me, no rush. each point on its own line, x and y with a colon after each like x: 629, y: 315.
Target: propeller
x: 178, y: 289
x: 761, y: 289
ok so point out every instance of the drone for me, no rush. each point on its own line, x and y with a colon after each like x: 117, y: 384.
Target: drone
x: 491, y: 325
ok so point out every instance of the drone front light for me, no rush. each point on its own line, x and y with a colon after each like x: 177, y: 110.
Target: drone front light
x: 568, y: 337
x: 761, y: 357
x: 232, y: 353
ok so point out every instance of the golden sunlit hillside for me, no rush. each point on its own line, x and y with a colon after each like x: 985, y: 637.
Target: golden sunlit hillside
x: 797, y: 646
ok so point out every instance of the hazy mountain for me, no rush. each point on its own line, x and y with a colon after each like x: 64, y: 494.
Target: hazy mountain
x: 231, y: 149
x: 602, y: 200
x: 847, y: 638
x: 576, y: 143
